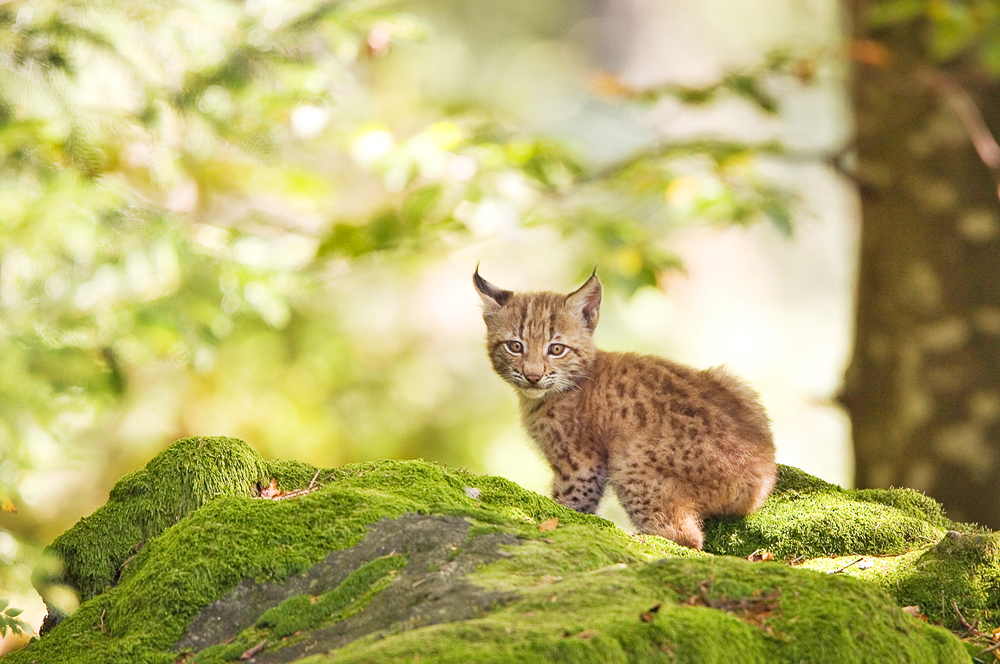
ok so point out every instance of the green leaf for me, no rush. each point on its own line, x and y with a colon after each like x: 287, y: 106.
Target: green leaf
x: 989, y: 55
x: 780, y: 216
x: 419, y: 204
x: 9, y: 622
x: 694, y: 96
x: 882, y: 14
x: 749, y: 87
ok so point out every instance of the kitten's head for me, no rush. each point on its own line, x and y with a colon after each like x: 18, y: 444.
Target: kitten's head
x: 540, y: 343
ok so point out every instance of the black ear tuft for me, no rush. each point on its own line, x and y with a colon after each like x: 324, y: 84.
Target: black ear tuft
x: 491, y: 295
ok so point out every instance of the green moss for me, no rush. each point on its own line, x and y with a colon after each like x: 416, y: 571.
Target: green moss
x: 909, y: 502
x: 598, y: 618
x: 883, y: 571
x: 291, y: 474
x: 236, y: 538
x: 501, y: 502
x: 806, y: 517
x: 305, y: 611
x: 231, y: 652
x: 572, y: 594
x: 142, y: 504
x: 830, y: 527
x: 232, y: 536
x: 792, y: 480
x: 961, y: 570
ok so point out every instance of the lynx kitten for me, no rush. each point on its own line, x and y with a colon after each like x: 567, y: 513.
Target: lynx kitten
x: 677, y: 444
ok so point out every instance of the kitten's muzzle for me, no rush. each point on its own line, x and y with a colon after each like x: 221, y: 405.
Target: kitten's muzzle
x: 532, y: 378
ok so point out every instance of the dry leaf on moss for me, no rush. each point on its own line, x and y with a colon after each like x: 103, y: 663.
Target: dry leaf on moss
x: 272, y: 492
x: 649, y: 614
x: 252, y: 652
x: 760, y: 555
x: 551, y: 524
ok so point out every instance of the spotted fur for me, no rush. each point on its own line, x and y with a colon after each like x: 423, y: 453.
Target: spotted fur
x: 677, y: 444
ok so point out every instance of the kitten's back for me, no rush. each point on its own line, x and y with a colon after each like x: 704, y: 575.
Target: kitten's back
x: 653, y: 388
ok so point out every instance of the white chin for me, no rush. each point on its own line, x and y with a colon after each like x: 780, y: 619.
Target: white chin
x: 533, y: 392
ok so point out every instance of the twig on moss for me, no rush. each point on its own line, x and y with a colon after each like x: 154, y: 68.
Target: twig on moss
x: 313, y: 481
x: 970, y: 630
x: 272, y: 492
x: 992, y: 648
x: 838, y: 571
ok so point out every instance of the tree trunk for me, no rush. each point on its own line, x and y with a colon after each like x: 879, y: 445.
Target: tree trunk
x: 923, y: 387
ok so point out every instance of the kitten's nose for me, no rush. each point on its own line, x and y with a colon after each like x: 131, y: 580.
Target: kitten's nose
x: 533, y: 377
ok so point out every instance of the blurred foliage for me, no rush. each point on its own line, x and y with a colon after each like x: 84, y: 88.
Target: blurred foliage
x: 194, y: 193
x: 954, y: 29
x: 9, y: 621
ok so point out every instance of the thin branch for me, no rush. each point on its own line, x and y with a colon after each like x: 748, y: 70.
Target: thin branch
x: 969, y: 629
x: 838, y: 571
x: 992, y: 648
x: 682, y: 148
x: 969, y: 115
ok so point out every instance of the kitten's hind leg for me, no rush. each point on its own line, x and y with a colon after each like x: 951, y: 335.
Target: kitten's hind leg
x: 681, y: 526
x: 579, y: 486
x: 659, y: 510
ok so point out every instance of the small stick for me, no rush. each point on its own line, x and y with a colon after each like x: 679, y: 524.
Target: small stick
x: 954, y: 605
x: 838, y: 571
x: 314, y: 478
x: 972, y: 630
x: 992, y: 648
x: 969, y: 629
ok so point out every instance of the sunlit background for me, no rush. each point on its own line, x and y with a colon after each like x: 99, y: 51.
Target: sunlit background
x: 253, y: 220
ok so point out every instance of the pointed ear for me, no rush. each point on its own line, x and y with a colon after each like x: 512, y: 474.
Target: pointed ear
x: 493, y: 297
x: 586, y: 301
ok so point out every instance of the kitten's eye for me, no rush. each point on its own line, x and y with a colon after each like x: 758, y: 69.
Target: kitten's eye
x: 515, y: 347
x: 557, y: 350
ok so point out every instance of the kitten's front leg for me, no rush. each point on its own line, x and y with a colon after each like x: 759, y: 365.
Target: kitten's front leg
x: 579, y: 481
x: 578, y: 458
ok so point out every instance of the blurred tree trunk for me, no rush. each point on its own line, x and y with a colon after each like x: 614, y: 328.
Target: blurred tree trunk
x: 923, y: 387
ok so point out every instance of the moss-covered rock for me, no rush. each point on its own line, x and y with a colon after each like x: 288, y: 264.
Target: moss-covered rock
x: 142, y: 504
x: 898, y: 539
x: 955, y: 582
x: 807, y: 517
x: 387, y: 560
